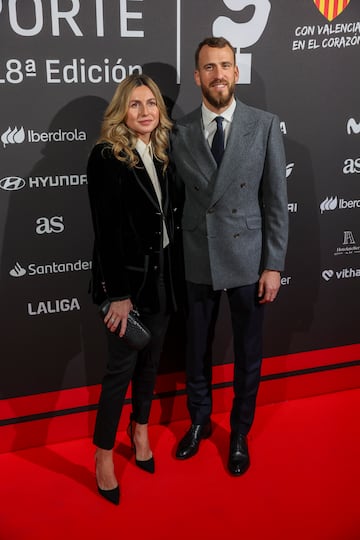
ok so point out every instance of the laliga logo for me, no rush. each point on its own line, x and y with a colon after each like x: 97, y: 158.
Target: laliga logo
x: 243, y: 35
x: 12, y: 136
x: 327, y: 274
x: 331, y: 8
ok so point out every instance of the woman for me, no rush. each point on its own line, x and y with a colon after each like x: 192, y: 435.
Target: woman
x: 133, y: 220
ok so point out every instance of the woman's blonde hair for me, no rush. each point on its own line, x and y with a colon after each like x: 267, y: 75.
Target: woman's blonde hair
x: 122, y: 139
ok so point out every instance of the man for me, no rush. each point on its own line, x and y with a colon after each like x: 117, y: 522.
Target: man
x: 235, y: 225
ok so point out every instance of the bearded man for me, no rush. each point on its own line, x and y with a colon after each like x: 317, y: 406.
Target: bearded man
x: 230, y: 158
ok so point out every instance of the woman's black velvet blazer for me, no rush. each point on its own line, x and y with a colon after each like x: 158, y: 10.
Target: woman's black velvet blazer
x: 127, y: 221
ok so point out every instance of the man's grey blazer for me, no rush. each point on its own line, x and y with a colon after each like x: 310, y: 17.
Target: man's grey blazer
x: 235, y: 220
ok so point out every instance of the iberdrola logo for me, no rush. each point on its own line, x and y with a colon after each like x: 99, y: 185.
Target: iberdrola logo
x: 331, y: 8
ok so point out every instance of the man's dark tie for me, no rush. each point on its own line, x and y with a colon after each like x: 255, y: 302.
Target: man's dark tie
x: 217, y: 146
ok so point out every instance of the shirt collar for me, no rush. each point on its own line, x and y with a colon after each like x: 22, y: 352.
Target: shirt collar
x: 208, y: 116
x: 143, y: 149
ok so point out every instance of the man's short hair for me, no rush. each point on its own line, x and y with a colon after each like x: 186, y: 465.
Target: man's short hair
x: 216, y: 42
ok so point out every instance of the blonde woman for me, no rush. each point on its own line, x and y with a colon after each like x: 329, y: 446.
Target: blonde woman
x: 133, y: 218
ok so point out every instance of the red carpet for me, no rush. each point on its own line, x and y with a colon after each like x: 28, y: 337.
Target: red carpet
x: 303, y: 483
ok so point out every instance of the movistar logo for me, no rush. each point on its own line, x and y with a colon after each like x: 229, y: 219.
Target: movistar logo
x: 353, y: 127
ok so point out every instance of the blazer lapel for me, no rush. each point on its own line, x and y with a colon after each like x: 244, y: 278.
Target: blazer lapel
x: 198, y: 148
x: 162, y: 177
x: 145, y: 183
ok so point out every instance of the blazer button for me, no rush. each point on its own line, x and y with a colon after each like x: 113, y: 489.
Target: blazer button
x: 236, y: 235
x: 234, y: 210
x: 156, y: 267
x: 211, y: 210
x: 196, y: 188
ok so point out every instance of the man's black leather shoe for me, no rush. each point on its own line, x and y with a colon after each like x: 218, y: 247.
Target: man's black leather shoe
x: 189, y: 444
x: 239, y: 460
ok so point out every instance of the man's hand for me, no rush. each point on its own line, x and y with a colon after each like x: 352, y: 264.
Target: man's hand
x: 269, y: 285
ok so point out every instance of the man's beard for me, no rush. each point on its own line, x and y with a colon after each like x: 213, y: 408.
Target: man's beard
x: 221, y: 100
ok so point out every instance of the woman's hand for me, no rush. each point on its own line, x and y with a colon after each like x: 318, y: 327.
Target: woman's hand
x: 117, y: 315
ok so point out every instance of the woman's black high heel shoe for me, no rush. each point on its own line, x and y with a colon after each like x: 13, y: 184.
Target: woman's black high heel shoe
x: 111, y: 495
x: 147, y: 465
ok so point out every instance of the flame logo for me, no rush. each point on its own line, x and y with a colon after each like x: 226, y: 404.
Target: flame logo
x: 329, y: 204
x: 17, y: 271
x: 12, y: 136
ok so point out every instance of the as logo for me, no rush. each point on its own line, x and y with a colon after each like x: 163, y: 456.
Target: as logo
x: 351, y: 166
x: 331, y: 8
x: 50, y: 225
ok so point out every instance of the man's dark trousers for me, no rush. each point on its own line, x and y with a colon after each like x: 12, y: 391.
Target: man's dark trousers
x: 247, y: 322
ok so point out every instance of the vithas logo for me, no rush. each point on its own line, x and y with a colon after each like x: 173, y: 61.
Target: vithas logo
x: 345, y: 273
x: 13, y: 136
x: 327, y: 274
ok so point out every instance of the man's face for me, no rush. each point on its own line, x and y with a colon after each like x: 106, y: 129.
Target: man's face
x: 217, y: 75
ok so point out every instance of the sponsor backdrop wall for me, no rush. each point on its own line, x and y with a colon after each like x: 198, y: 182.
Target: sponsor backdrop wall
x: 60, y: 63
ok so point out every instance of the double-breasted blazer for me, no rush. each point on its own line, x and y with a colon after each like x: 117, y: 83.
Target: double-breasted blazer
x: 128, y: 226
x: 235, y: 218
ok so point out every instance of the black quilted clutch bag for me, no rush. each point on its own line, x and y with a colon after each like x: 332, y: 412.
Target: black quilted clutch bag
x: 137, y: 336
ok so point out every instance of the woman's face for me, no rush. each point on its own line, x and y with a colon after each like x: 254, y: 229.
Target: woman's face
x: 143, y: 113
